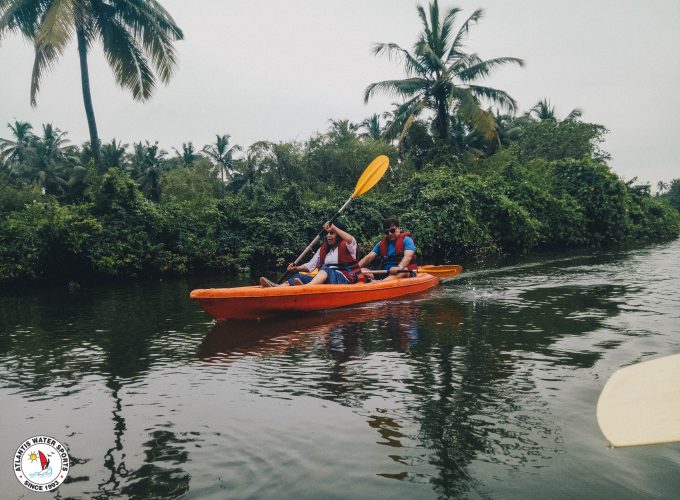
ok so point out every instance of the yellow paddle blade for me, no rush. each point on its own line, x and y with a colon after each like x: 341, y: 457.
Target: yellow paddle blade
x: 441, y: 271
x: 373, y: 173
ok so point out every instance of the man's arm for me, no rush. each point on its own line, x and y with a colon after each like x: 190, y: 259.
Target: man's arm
x: 368, y: 258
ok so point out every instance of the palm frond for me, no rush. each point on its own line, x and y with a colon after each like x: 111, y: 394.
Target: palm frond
x: 415, y: 111
x: 470, y: 111
x: 463, y: 31
x: 45, y: 59
x: 21, y: 15
x: 152, y: 27
x: 482, y: 69
x: 58, y: 25
x: 397, y: 119
x: 495, y: 96
x: 446, y: 30
x: 434, y: 25
x: 130, y: 68
x: 401, y: 88
x: 462, y: 62
x: 427, y: 57
x: 392, y: 50
x: 574, y: 114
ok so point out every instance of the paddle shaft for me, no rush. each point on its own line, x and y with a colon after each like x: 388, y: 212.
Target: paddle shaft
x: 316, y: 239
x: 384, y: 271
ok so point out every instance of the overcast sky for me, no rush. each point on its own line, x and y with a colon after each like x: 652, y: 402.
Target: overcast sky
x: 279, y: 70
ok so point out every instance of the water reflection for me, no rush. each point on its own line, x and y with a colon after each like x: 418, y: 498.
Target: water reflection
x: 162, y: 475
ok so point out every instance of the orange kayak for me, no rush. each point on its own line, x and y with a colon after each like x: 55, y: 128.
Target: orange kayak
x: 251, y: 302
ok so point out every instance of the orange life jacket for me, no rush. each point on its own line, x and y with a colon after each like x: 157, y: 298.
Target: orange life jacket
x: 398, y: 252
x: 347, y: 264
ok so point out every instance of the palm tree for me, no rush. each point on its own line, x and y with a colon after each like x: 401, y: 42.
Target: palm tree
x: 543, y: 111
x: 188, y: 154
x: 53, y: 160
x: 222, y: 155
x: 146, y: 164
x: 441, y: 76
x: 661, y: 187
x: 113, y: 154
x: 342, y: 130
x: 249, y: 169
x: 282, y: 160
x: 137, y: 37
x: 15, y: 150
x: 372, y: 128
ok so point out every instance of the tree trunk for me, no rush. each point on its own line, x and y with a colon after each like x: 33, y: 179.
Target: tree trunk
x: 443, y: 120
x: 87, y: 100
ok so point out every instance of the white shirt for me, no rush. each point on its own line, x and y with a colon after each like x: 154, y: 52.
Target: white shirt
x: 331, y: 256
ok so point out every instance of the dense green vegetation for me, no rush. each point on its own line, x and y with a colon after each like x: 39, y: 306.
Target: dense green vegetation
x: 150, y: 213
x: 468, y: 181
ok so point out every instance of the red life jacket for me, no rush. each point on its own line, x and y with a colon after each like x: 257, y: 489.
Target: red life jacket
x: 398, y: 251
x: 347, y: 264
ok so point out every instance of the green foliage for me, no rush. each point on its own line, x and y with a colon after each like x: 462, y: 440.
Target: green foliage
x: 600, y: 193
x: 673, y: 194
x: 555, y: 140
x: 650, y: 218
x: 14, y: 195
x: 198, y: 183
x: 46, y: 239
x: 340, y: 160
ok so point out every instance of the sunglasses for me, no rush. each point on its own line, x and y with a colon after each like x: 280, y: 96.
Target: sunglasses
x: 391, y: 230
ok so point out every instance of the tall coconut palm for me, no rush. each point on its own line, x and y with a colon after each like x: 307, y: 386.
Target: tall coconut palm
x: 137, y: 37
x: 441, y: 76
x: 222, y: 155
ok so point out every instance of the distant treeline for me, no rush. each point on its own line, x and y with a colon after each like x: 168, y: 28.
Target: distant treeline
x: 541, y: 183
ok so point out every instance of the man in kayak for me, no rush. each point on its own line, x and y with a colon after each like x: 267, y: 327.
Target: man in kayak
x: 396, y: 250
x: 336, y: 260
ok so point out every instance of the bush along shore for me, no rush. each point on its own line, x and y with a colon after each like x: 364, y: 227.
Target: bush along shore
x: 63, y: 219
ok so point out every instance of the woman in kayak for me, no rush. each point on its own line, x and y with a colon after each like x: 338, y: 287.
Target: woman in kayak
x: 336, y: 261
x: 397, y: 252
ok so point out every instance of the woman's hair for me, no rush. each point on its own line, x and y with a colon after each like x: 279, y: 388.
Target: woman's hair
x: 389, y: 222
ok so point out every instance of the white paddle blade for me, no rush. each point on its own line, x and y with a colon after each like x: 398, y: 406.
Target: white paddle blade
x: 640, y: 404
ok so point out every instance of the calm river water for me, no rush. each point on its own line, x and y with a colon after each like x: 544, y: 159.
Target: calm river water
x: 484, y: 388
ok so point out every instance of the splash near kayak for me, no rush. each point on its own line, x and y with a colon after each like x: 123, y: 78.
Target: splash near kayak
x: 253, y: 302
x: 41, y: 463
